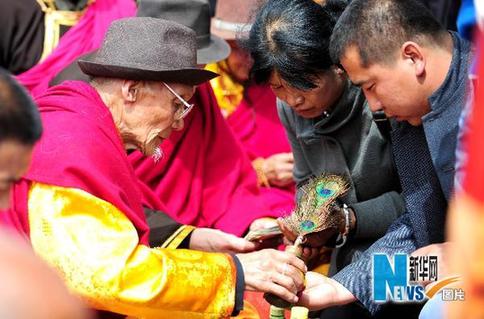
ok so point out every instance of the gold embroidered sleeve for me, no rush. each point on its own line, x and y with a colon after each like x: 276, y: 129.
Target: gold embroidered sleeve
x: 96, y: 249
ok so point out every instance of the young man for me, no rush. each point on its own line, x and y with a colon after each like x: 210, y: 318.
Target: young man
x: 416, y: 72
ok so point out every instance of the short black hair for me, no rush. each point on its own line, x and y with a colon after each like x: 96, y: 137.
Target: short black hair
x: 292, y: 38
x: 19, y: 117
x: 377, y: 28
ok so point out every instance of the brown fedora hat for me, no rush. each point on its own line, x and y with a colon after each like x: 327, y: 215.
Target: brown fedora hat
x: 194, y: 14
x: 147, y: 49
x: 233, y: 18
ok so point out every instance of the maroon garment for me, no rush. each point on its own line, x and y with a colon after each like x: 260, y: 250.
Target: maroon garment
x: 205, y: 178
x: 256, y: 124
x: 81, y: 148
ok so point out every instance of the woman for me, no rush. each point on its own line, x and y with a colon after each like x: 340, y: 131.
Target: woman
x: 329, y: 127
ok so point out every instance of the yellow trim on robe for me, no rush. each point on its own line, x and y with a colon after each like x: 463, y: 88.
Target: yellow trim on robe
x: 177, y: 237
x: 96, y: 249
x: 228, y: 92
x: 53, y: 19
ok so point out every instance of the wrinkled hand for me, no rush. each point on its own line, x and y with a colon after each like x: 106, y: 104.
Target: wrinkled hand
x: 275, y: 272
x: 442, y: 252
x: 214, y: 240
x: 278, y: 169
x: 323, y: 292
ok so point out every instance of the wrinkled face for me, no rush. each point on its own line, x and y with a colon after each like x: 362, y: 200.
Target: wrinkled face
x: 14, y: 162
x: 393, y: 88
x: 239, y: 63
x: 154, y: 114
x: 310, y: 103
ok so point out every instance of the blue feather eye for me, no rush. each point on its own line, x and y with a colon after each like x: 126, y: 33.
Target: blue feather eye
x: 325, y: 192
x: 307, y: 225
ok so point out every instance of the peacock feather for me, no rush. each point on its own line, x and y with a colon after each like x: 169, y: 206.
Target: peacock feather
x: 315, y: 209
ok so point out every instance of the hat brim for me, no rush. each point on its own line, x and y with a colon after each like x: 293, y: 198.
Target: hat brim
x: 189, y: 76
x: 217, y: 50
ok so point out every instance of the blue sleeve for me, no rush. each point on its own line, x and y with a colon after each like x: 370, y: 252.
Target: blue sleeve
x: 357, y: 276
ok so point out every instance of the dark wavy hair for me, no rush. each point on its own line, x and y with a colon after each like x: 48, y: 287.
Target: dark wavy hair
x: 292, y: 38
x: 19, y: 117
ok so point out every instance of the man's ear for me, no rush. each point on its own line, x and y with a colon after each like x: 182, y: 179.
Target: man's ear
x: 338, y: 69
x: 413, y: 53
x: 130, y: 90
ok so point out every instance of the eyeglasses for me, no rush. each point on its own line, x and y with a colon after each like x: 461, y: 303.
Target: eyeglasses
x: 181, y: 112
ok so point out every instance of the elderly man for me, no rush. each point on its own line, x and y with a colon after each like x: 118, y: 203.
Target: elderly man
x: 81, y: 202
x: 189, y: 178
x: 22, y: 273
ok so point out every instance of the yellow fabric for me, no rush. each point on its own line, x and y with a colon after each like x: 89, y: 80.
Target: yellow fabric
x: 228, y: 92
x: 53, y: 19
x: 96, y: 249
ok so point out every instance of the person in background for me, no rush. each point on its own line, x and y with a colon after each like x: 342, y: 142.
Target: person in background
x: 25, y: 279
x: 250, y: 108
x: 466, y: 223
x: 41, y: 37
x: 32, y: 29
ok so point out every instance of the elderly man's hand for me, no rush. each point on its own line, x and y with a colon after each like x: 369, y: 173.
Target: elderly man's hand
x: 323, y: 292
x: 273, y: 271
x: 214, y: 240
